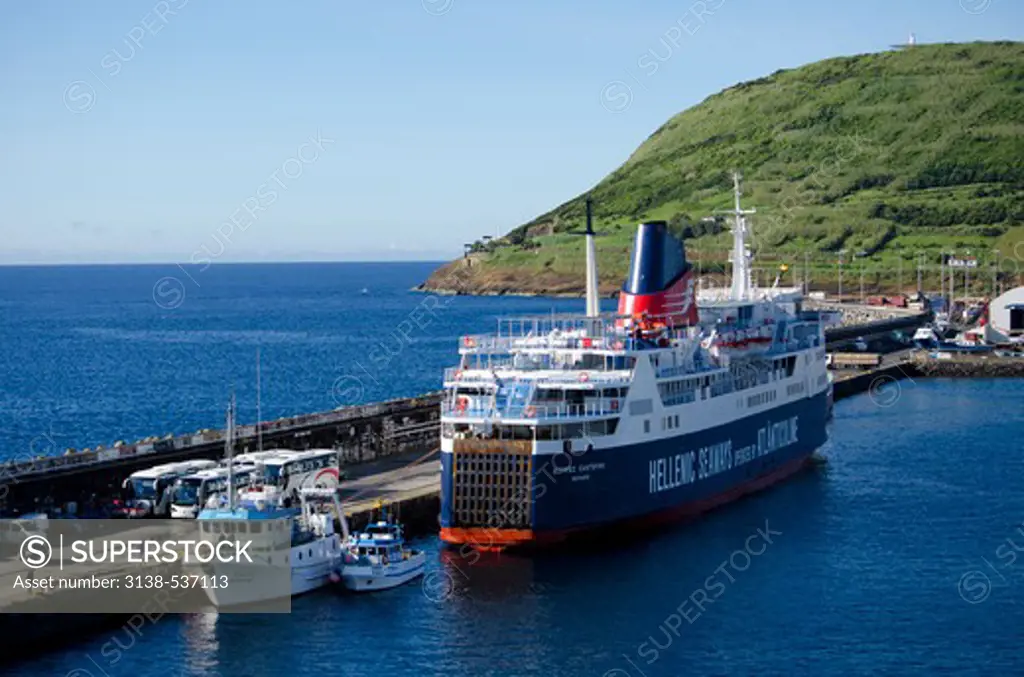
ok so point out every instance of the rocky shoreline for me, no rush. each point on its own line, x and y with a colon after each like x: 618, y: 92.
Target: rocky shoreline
x: 471, y: 278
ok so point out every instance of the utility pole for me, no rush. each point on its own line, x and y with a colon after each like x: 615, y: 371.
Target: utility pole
x: 899, y: 277
x: 952, y: 281
x: 841, y: 252
x: 862, y: 282
x: 942, y: 273
x: 919, y: 272
x: 807, y: 286
x: 967, y: 274
x: 995, y: 273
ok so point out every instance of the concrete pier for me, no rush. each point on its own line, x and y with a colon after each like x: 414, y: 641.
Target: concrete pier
x: 360, y: 434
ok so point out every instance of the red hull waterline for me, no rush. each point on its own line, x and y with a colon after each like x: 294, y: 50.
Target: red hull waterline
x: 496, y: 540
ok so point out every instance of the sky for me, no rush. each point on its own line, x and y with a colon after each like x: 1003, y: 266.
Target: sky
x: 183, y: 130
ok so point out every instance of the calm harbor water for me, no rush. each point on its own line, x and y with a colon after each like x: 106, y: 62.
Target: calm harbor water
x: 898, y: 555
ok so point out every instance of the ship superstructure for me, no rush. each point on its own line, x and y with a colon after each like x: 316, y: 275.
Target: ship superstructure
x: 678, y: 402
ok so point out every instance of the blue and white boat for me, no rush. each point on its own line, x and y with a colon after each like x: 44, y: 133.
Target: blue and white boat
x: 683, y: 400
x: 315, y: 546
x: 377, y: 559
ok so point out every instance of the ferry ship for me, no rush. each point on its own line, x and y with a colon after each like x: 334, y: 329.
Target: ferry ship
x: 683, y: 400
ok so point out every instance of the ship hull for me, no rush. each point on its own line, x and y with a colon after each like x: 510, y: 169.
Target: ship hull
x: 646, y: 483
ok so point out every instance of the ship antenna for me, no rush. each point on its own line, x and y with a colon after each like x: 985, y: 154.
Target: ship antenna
x: 593, y: 302
x: 741, y: 284
x: 593, y: 307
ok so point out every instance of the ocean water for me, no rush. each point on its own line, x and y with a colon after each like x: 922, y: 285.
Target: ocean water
x: 94, y: 354
x: 901, y: 553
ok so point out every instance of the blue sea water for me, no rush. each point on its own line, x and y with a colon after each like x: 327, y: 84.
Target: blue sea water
x: 95, y: 354
x: 901, y: 554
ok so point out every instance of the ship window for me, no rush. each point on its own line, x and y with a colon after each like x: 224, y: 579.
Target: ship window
x: 548, y: 432
x: 570, y: 430
x: 647, y: 425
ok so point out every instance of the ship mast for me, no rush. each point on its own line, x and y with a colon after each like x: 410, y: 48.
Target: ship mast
x: 259, y: 415
x: 593, y: 306
x: 229, y: 448
x: 740, y: 257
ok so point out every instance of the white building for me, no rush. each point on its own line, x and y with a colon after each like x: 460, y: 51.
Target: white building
x: 1006, y: 318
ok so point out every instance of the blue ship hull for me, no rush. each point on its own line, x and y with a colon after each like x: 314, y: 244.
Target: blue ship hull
x: 645, y: 482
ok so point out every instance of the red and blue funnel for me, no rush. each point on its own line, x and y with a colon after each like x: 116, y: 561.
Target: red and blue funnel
x: 660, y: 282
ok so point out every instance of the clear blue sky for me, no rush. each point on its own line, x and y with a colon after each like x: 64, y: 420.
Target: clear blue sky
x: 132, y: 130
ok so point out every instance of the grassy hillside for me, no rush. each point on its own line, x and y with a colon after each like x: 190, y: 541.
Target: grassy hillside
x: 887, y: 156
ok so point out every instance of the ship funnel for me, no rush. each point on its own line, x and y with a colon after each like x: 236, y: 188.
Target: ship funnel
x: 660, y: 282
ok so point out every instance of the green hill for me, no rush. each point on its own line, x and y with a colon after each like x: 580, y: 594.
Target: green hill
x: 886, y: 157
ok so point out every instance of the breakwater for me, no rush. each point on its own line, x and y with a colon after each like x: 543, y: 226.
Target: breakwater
x: 967, y: 366
x: 360, y: 434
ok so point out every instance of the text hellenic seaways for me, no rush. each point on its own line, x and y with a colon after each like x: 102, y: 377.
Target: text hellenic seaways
x: 681, y: 469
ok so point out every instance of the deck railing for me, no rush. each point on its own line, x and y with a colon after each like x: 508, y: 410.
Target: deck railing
x: 540, y: 412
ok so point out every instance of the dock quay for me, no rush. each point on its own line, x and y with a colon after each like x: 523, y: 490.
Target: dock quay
x: 360, y: 434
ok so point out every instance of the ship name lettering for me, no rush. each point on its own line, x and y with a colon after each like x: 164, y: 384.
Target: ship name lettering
x: 775, y: 436
x: 669, y: 473
x: 715, y: 459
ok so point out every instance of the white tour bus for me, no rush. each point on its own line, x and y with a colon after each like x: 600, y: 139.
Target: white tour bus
x: 293, y: 470
x: 193, y: 492
x: 148, y: 486
x: 258, y: 457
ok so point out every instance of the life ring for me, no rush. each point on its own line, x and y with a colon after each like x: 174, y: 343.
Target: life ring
x: 617, y: 345
x: 458, y: 374
x: 584, y: 377
x: 615, y: 405
x: 529, y: 412
x: 462, y: 404
x: 469, y: 342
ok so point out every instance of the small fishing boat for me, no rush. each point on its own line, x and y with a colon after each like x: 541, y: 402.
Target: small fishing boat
x: 377, y: 559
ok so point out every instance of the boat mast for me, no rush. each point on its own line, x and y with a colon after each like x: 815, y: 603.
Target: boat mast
x: 259, y: 415
x: 229, y: 444
x: 741, y: 283
x: 593, y: 306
